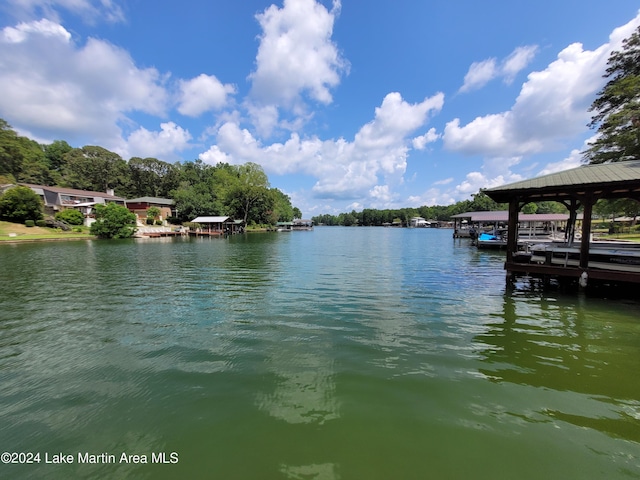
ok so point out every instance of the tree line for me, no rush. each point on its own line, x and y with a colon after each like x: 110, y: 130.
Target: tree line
x: 239, y: 191
x: 439, y: 213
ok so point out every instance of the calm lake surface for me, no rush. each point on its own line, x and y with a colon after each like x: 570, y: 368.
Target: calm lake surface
x: 342, y: 353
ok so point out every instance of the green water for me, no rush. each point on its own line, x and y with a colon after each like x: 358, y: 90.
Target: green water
x: 362, y: 353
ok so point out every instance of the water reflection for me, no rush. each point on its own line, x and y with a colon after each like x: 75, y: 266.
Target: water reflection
x: 579, y: 350
x: 325, y: 471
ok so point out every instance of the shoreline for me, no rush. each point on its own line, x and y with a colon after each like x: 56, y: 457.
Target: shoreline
x: 15, y: 240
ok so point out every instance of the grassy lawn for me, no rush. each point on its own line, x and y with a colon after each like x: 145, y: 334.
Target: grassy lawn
x: 16, y: 232
x: 631, y: 237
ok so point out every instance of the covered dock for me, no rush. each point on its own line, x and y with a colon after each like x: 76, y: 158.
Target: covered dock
x: 215, y: 226
x: 530, y: 225
x: 578, y: 188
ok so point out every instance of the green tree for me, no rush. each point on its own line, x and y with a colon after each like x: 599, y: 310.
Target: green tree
x: 94, y: 168
x: 113, y: 221
x: 617, y: 108
x: 10, y: 155
x: 71, y: 216
x: 22, y: 158
x: 251, y: 188
x: 282, y: 211
x: 153, y: 212
x: 481, y: 202
x: 150, y: 177
x: 193, y: 201
x: 55, y: 153
x: 18, y: 204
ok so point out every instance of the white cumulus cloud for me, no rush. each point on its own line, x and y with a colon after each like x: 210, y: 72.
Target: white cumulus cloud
x: 296, y: 58
x: 203, y: 93
x: 481, y: 73
x: 343, y: 169
x: 62, y: 90
x: 421, y: 142
x: 161, y: 144
x: 552, y: 105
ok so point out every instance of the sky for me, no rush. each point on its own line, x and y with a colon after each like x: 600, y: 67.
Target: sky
x: 346, y: 104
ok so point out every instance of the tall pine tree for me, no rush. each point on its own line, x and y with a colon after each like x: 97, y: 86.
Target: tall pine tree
x: 617, y: 108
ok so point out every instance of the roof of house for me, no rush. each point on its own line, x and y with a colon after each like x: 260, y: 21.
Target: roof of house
x: 609, y: 180
x: 503, y: 216
x: 210, y: 219
x: 72, y: 191
x: 156, y: 200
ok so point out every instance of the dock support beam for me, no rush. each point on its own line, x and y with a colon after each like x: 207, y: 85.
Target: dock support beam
x: 512, y: 229
x: 587, y: 203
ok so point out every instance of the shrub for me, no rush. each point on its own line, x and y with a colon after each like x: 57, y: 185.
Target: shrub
x: 149, y: 221
x: 29, y: 223
x: 19, y: 204
x: 153, y: 212
x: 71, y: 216
x: 113, y: 221
x: 158, y: 222
x: 41, y: 223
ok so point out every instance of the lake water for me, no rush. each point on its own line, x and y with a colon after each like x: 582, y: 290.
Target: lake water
x: 341, y: 353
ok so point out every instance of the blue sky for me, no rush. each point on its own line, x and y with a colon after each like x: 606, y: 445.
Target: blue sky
x: 346, y: 104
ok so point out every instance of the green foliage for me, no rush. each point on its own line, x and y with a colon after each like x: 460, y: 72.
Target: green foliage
x: 19, y: 204
x: 94, y: 168
x: 194, y: 200
x: 281, y: 209
x: 150, y: 177
x: 158, y: 222
x: 249, y: 190
x: 607, y: 208
x: 153, y: 212
x: 7, y: 179
x: 55, y: 154
x: 197, y: 188
x: 617, y: 107
x: 113, y: 221
x: 41, y: 223
x: 71, y: 216
x: 150, y: 221
x: 22, y: 158
x: 29, y: 223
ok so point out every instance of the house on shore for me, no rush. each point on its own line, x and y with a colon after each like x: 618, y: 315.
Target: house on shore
x: 56, y: 199
x: 302, y: 224
x: 419, y: 222
x: 139, y: 206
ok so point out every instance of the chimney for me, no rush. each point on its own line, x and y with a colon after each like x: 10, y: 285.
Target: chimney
x: 111, y: 191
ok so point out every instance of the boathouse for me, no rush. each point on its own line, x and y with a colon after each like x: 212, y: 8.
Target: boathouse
x: 578, y: 188
x: 216, y: 225
x: 531, y: 224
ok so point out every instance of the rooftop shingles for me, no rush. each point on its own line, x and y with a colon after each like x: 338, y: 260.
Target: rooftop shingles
x: 603, y: 176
